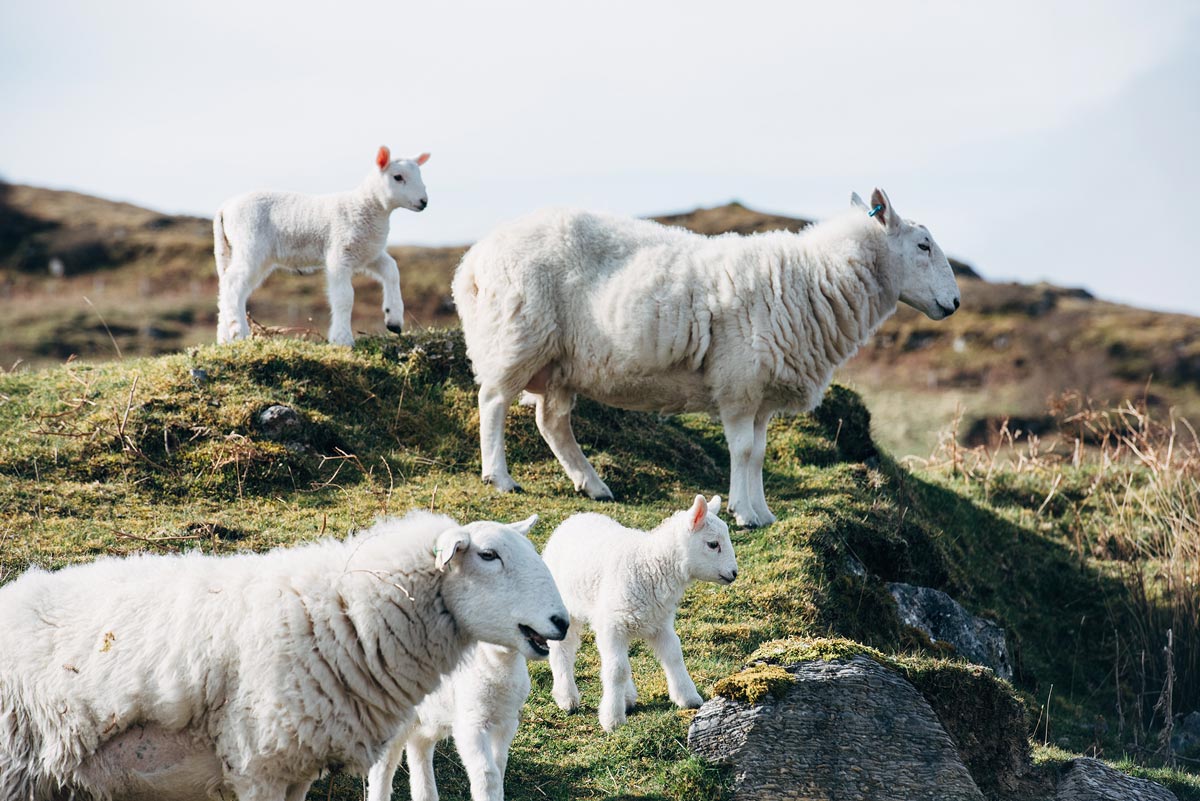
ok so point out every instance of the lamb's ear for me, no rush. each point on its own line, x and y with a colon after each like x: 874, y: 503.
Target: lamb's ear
x: 714, y: 505
x: 525, y: 525
x: 697, y: 513
x: 857, y: 202
x: 421, y: 159
x: 881, y: 209
x: 449, y: 544
x: 383, y: 157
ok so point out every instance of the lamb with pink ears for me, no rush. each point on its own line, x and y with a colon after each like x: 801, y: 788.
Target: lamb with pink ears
x: 627, y: 584
x: 344, y: 233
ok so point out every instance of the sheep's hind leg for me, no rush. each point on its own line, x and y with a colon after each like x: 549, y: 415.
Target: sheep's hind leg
x: 754, y: 475
x: 493, y: 410
x: 235, y: 286
x: 554, y: 421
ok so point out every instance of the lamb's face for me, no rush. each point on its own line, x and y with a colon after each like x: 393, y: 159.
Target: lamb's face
x: 400, y: 181
x: 499, y: 589
x: 709, y: 550
x: 924, y: 276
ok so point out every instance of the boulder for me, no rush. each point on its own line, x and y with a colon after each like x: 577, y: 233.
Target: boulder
x: 976, y: 639
x: 843, y: 729
x: 1085, y: 779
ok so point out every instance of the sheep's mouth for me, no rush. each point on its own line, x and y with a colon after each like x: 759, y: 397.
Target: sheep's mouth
x: 536, y: 641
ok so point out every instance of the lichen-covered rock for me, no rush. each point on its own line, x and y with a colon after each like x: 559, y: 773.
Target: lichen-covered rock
x: 847, y: 729
x: 1086, y: 779
x: 945, y: 620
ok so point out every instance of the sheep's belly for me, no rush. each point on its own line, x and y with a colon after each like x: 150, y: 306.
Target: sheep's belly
x: 666, y: 393
x: 150, y: 763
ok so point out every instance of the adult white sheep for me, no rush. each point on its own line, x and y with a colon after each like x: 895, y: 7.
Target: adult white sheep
x: 642, y: 316
x: 346, y: 232
x: 197, y: 677
x: 627, y: 584
x: 479, y: 704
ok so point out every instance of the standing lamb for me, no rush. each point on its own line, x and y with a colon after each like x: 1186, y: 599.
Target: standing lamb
x: 198, y: 677
x: 346, y: 232
x: 627, y: 584
x: 479, y: 704
x: 642, y: 316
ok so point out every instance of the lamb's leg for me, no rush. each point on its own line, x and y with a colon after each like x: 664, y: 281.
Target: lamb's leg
x: 758, y: 497
x: 631, y: 695
x: 493, y: 409
x: 554, y: 421
x: 739, y: 434
x: 385, y: 271
x: 341, y: 303
x: 383, y: 772
x: 502, y: 735
x: 235, y: 285
x: 669, y: 654
x: 475, y: 748
x: 615, y: 673
x: 421, y: 781
x: 562, y: 666
x: 257, y: 789
x: 298, y: 791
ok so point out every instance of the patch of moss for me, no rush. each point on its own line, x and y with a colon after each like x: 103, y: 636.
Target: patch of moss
x: 754, y: 683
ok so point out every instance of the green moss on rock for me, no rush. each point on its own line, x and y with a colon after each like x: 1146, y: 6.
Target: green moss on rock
x: 754, y: 683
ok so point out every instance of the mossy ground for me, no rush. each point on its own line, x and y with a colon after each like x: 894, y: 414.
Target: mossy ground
x: 167, y: 453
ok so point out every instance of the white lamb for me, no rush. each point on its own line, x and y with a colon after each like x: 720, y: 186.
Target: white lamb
x: 479, y: 704
x: 256, y: 233
x: 627, y: 584
x: 200, y: 677
x: 643, y: 316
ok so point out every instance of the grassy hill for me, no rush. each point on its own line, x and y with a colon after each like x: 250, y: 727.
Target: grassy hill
x: 166, y: 453
x: 133, y: 282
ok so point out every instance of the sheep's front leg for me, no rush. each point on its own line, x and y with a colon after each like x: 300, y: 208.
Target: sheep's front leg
x: 562, y: 666
x: 421, y: 781
x: 475, y: 747
x: 493, y: 409
x: 385, y: 271
x: 739, y: 434
x: 298, y: 791
x: 502, y: 735
x: 554, y: 421
x: 669, y: 653
x: 615, y: 673
x: 341, y: 304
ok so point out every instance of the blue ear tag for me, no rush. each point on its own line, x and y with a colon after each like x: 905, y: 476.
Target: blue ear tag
x: 876, y: 210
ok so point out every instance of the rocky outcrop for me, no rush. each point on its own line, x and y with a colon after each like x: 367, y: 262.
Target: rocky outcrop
x: 1086, y: 779
x: 845, y: 729
x: 945, y: 620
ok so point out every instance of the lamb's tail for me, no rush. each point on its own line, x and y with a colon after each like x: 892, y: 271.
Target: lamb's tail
x: 222, y: 250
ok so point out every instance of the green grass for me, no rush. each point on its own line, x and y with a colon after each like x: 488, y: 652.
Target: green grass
x: 167, y: 453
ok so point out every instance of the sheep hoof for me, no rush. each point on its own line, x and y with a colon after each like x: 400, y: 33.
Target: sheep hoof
x: 505, y: 484
x: 601, y: 493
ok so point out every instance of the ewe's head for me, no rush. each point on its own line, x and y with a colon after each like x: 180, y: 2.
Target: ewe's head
x: 399, y: 181
x: 498, y: 589
x: 707, y: 547
x: 923, y: 274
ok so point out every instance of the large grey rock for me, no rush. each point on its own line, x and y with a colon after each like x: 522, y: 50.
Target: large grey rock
x: 941, y: 617
x: 1086, y: 779
x: 846, y: 731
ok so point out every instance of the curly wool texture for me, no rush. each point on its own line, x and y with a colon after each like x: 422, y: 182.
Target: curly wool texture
x: 248, y: 674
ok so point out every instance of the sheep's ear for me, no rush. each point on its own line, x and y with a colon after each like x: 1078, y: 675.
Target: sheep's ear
x: 525, y: 525
x: 881, y: 209
x: 421, y: 159
x: 714, y: 505
x: 857, y: 202
x: 450, y: 543
x: 383, y: 157
x: 697, y: 513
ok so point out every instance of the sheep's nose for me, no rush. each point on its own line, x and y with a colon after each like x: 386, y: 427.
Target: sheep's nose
x: 735, y: 572
x: 562, y: 627
x: 957, y: 303
x: 424, y: 203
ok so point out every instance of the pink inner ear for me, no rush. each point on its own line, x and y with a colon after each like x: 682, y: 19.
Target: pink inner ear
x: 699, y: 512
x: 383, y: 157
x: 421, y: 159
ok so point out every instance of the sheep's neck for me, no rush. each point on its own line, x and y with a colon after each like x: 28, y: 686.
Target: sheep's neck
x: 663, y: 565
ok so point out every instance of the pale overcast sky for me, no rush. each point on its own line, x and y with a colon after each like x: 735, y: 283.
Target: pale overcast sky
x: 1038, y: 140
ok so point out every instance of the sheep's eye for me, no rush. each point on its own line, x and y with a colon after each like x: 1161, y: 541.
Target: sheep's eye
x: 399, y: 178
x: 716, y: 546
x: 488, y: 556
x: 924, y: 247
